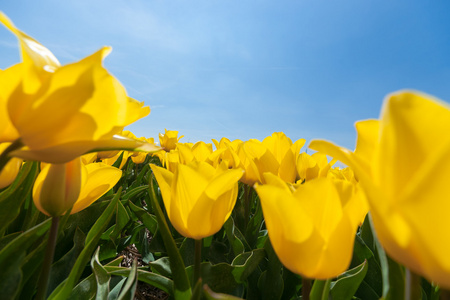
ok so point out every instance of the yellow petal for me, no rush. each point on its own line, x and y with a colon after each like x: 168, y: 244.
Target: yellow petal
x: 64, y: 152
x: 57, y: 187
x: 100, y: 179
x: 37, y: 59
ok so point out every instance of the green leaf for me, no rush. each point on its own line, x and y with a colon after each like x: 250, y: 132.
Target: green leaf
x: 135, y: 191
x: 226, y: 278
x: 64, y: 289
x: 348, y: 282
x: 161, y: 266
x: 87, y: 288
x: 130, y: 285
x: 102, y: 277
x: 246, y: 263
x: 383, y: 261
x: 221, y: 277
x: 210, y: 295
x: 122, y: 219
x: 12, y: 198
x: 153, y: 279
x: 61, y: 268
x: 149, y: 220
x: 320, y: 290
x: 396, y: 281
x: 236, y: 243
x: 180, y: 278
x: 273, y: 285
x: 197, y: 291
x: 11, y: 277
x: 21, y: 243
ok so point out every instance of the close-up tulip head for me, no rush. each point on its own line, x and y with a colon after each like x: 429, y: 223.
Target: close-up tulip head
x: 402, y: 161
x: 73, y: 185
x: 61, y: 112
x: 198, y: 197
x: 311, y: 228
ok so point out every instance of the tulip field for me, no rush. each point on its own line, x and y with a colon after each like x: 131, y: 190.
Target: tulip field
x: 90, y: 211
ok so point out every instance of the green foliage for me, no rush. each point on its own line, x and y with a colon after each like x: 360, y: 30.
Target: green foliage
x: 237, y: 262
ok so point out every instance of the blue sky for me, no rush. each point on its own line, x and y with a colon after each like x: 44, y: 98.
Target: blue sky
x: 245, y: 69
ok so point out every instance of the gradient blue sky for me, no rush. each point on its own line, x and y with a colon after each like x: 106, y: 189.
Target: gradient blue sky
x: 245, y: 69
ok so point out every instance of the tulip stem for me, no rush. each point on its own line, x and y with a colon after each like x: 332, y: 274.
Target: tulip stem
x: 247, y: 198
x: 306, y: 288
x: 4, y: 156
x: 197, y: 260
x: 413, y: 290
x: 48, y: 260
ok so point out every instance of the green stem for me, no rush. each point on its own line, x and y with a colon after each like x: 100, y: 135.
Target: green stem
x: 306, y: 288
x: 247, y: 198
x: 197, y: 260
x: 326, y: 289
x: 4, y: 156
x: 48, y: 260
x: 412, y: 286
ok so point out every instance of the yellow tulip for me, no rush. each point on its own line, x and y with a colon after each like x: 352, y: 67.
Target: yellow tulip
x: 200, y: 151
x: 61, y: 112
x: 402, y: 161
x: 312, y: 228
x: 286, y: 153
x: 169, y: 139
x: 57, y: 187
x: 60, y: 187
x: 226, y: 151
x: 198, y: 197
x: 256, y: 159
x: 11, y: 169
x: 313, y: 166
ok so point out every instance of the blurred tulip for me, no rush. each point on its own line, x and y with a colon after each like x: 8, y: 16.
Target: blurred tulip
x: 256, y: 159
x: 169, y: 139
x: 402, y: 161
x: 312, y: 228
x: 60, y: 187
x: 200, y: 151
x: 313, y: 166
x: 226, y: 151
x: 286, y: 153
x: 11, y: 169
x: 61, y: 112
x: 198, y: 197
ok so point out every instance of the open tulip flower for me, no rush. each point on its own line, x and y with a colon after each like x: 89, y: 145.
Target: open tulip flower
x: 61, y: 112
x: 60, y: 187
x: 313, y: 166
x: 402, y: 161
x: 286, y: 153
x: 312, y: 228
x: 198, y: 197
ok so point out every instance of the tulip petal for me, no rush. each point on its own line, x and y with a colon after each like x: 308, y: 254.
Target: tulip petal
x: 64, y: 152
x: 285, y: 217
x: 100, y: 179
x: 412, y: 125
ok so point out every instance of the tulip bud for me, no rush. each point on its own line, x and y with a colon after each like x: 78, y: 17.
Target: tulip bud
x: 57, y: 187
